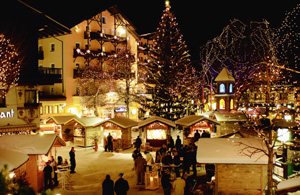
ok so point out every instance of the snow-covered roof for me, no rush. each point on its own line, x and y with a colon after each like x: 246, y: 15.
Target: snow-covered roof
x: 192, y: 119
x: 221, y: 117
x: 156, y: 119
x: 120, y: 121
x: 86, y: 121
x: 61, y: 119
x: 224, y: 75
x: 289, y: 184
x: 30, y: 144
x: 12, y: 159
x: 229, y: 151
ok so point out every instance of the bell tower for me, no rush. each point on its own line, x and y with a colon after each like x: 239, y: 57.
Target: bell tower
x: 225, y: 91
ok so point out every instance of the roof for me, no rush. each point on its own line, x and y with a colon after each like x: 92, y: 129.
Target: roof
x: 156, y: 119
x: 230, y: 117
x: 229, y: 151
x: 31, y: 144
x: 121, y: 122
x: 192, y: 119
x: 86, y: 121
x: 59, y: 120
x: 224, y: 75
x: 12, y: 159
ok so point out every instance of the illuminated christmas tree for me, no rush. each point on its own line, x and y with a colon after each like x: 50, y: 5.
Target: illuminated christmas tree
x: 169, y: 58
x: 9, y: 65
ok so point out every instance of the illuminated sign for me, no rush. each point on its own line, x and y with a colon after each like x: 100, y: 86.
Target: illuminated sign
x: 121, y: 109
x: 8, y: 114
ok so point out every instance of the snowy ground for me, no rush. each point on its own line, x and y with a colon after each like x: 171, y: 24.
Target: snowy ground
x: 92, y: 167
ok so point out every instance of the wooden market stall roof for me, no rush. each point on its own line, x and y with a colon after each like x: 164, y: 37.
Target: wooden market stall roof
x: 193, y: 119
x: 231, y: 117
x: 59, y: 120
x: 156, y: 119
x: 12, y: 159
x: 85, y: 121
x: 31, y: 144
x: 120, y: 121
x: 230, y: 151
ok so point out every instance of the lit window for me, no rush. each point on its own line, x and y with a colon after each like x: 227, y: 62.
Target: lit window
x: 222, y: 104
x: 230, y: 88
x: 231, y: 104
x: 30, y: 97
x: 222, y: 88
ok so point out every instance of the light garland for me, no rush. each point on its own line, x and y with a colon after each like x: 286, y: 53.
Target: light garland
x: 10, y: 65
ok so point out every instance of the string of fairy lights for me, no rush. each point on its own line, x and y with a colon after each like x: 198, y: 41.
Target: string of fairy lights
x: 9, y: 65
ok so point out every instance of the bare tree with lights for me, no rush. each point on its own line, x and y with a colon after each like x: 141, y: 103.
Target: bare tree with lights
x: 10, y: 65
x: 122, y: 64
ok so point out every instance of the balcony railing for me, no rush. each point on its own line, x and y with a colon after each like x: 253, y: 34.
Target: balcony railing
x: 49, y: 76
x: 90, y: 53
x: 105, y: 37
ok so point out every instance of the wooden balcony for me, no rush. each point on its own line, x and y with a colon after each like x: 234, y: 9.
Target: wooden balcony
x: 49, y: 76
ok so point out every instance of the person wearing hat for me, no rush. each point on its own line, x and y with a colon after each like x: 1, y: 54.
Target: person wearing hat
x: 165, y: 182
x: 121, y: 185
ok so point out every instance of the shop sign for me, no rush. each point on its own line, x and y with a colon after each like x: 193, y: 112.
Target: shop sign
x: 121, y: 109
x: 8, y: 114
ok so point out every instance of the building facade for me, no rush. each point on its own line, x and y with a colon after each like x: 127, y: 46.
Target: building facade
x: 64, y: 57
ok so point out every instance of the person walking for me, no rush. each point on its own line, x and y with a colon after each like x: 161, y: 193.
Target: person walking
x: 72, y: 160
x: 179, y: 185
x: 121, y: 185
x: 108, y: 186
x: 109, y: 143
x: 47, y: 176
x: 139, y: 165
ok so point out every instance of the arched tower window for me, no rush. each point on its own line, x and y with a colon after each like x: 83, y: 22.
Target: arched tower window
x: 222, y: 88
x: 231, y: 104
x: 222, y: 104
x: 230, y: 88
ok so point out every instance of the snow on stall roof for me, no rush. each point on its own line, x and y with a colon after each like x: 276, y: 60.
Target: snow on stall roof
x: 86, y: 121
x: 229, y: 151
x: 12, y: 159
x: 221, y: 117
x: 30, y: 144
x: 288, y: 184
x: 120, y: 121
x: 156, y: 119
x: 61, y: 119
x: 192, y: 119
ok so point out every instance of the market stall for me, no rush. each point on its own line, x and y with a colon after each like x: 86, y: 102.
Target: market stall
x: 156, y: 130
x: 239, y: 167
x: 39, y: 150
x: 119, y: 129
x: 84, y: 130
x: 192, y: 123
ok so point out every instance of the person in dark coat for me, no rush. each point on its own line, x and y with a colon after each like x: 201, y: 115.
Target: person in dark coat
x: 177, y: 162
x: 110, y: 143
x: 72, y: 160
x: 196, y: 136
x: 108, y: 186
x: 171, y: 143
x: 166, y: 183
x: 139, y: 165
x: 178, y: 143
x: 205, y: 134
x: 138, y: 142
x: 121, y: 185
x: 47, y: 175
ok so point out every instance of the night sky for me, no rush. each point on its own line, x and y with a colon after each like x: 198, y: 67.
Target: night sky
x: 199, y: 21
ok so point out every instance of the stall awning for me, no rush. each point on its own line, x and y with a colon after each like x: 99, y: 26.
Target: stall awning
x: 18, y: 128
